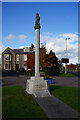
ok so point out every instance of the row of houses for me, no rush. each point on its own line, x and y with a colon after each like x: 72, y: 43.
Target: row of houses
x: 14, y: 59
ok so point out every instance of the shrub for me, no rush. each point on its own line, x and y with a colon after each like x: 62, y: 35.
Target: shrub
x: 47, y: 77
x: 32, y: 72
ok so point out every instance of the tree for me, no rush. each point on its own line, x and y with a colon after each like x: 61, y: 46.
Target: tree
x: 71, y: 67
x: 42, y: 54
x: 50, y: 64
x: 30, y: 61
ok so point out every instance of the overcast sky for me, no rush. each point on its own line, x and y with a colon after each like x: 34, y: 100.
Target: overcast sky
x: 58, y: 20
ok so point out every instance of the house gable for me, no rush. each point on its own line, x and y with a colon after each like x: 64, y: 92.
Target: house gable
x: 8, y: 51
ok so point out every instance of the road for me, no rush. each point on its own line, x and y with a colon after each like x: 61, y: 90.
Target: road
x: 21, y: 79
x: 11, y: 79
x: 76, y: 73
x: 66, y: 81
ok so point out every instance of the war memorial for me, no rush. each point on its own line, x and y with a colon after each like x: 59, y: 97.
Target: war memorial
x: 37, y: 85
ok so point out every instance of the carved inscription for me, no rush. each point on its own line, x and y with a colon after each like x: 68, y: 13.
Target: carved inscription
x: 40, y: 86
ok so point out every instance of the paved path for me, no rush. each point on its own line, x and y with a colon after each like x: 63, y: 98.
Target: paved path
x: 55, y: 108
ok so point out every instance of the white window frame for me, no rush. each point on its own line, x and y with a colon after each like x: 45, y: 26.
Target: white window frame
x: 7, y: 57
x: 24, y: 50
x: 10, y: 58
x: 25, y: 59
x: 17, y: 58
x: 5, y: 67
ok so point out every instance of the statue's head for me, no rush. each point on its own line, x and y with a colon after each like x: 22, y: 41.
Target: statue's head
x: 37, y: 15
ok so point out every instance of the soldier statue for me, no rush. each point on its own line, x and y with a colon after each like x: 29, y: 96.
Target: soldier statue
x: 37, y: 24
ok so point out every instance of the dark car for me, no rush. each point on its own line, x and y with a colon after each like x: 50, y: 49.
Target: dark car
x: 69, y: 71
x: 22, y: 70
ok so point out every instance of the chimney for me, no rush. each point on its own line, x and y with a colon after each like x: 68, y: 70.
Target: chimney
x: 31, y: 48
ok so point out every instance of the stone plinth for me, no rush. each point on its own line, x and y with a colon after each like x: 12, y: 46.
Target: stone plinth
x: 38, y: 87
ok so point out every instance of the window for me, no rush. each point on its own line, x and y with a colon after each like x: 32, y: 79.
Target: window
x: 17, y: 57
x: 24, y: 50
x: 10, y: 57
x: 6, y: 66
x: 25, y: 57
x: 6, y: 57
x: 25, y: 66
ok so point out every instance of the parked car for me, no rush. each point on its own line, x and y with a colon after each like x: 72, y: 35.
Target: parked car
x: 22, y: 70
x: 29, y: 69
x: 69, y: 71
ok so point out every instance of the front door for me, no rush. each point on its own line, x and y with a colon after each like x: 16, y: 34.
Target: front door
x: 17, y: 67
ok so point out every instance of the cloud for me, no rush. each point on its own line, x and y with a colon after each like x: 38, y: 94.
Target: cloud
x: 9, y: 37
x: 77, y: 33
x: 12, y: 39
x: 21, y: 47
x: 57, y: 43
x: 22, y: 37
x: 2, y: 48
x: 73, y: 37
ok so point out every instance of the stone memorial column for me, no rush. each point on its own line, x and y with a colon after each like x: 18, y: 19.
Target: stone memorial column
x: 36, y: 85
x: 37, y: 46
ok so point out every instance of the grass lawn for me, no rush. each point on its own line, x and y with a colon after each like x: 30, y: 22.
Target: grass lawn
x: 68, y: 95
x: 66, y: 75
x: 18, y: 104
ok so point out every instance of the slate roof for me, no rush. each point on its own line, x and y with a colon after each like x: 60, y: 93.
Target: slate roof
x: 21, y: 51
x: 31, y: 52
x: 18, y: 51
x: 7, y: 52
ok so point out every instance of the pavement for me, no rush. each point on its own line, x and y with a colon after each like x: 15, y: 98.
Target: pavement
x: 55, y: 108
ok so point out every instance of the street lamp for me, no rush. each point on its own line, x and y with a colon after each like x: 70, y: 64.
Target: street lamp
x: 66, y: 55
x: 66, y: 46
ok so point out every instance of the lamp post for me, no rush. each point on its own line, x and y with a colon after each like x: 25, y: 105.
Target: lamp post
x: 66, y: 56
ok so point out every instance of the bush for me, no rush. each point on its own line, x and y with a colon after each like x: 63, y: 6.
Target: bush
x: 32, y: 72
x: 51, y: 71
x: 47, y: 71
x: 47, y: 77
